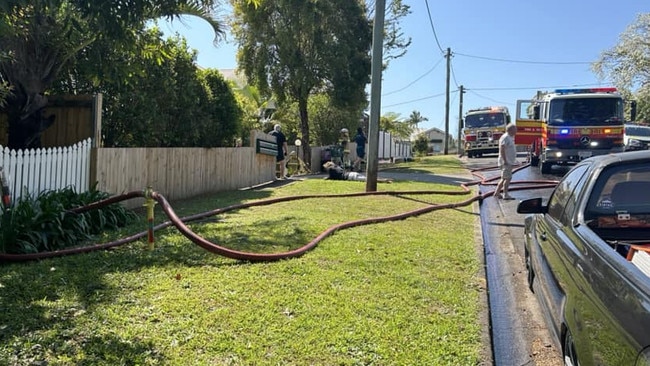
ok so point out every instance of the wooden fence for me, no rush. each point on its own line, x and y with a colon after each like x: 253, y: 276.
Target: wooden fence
x: 77, y: 117
x: 37, y: 170
x: 179, y: 173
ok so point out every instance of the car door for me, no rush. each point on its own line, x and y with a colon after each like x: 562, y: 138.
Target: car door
x: 610, y: 317
x: 605, y: 312
x: 557, y: 255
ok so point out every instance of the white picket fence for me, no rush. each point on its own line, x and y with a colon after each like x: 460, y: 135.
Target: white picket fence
x: 38, y: 170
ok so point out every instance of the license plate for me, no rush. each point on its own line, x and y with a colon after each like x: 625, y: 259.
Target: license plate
x: 584, y: 154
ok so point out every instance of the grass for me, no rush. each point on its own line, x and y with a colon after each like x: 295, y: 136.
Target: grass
x: 400, y: 293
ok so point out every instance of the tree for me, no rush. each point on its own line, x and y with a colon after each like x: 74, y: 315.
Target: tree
x: 628, y: 63
x: 395, y: 42
x: 43, y: 36
x: 421, y: 144
x: 163, y: 101
x: 415, y: 118
x: 391, y: 122
x: 293, y: 49
x: 257, y: 110
x: 326, y: 120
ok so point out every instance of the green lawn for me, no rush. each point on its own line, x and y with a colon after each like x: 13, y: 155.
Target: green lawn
x: 409, y: 292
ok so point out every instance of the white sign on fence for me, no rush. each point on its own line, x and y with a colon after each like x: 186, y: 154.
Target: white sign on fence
x: 37, y: 170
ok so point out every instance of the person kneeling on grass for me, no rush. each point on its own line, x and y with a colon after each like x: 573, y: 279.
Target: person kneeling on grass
x: 335, y: 172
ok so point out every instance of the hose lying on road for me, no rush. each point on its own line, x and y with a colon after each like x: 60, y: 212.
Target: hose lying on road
x: 180, y: 223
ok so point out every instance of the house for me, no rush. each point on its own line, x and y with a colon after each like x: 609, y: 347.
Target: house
x: 436, y: 139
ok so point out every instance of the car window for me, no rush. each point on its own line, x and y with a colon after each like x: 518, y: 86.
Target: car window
x: 563, y: 191
x: 621, y: 189
x: 572, y: 201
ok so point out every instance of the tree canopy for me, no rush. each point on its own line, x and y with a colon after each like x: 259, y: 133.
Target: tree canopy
x: 391, y: 122
x: 395, y: 42
x: 158, y: 101
x: 41, y: 38
x: 628, y: 63
x: 294, y: 49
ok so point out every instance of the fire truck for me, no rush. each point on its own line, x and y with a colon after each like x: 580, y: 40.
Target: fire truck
x: 568, y: 125
x: 482, y: 129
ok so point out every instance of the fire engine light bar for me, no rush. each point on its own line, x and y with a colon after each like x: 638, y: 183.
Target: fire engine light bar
x: 564, y: 131
x: 588, y: 90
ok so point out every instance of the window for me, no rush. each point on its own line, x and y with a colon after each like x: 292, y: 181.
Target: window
x: 621, y: 188
x: 562, y: 195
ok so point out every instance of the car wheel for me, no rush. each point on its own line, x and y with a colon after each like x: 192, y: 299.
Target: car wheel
x: 569, y: 351
x: 545, y: 168
x: 534, y: 160
x: 529, y: 268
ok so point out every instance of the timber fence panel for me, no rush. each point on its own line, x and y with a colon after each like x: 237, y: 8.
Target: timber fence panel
x: 179, y: 173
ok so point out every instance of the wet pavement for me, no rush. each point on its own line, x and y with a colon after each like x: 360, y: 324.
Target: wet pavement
x: 518, y: 330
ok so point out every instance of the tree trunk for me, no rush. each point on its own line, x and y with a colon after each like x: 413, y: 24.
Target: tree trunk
x: 304, y: 130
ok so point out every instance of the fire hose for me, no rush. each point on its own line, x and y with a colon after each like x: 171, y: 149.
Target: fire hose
x: 180, y: 223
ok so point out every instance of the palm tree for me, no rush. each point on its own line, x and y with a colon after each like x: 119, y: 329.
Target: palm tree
x: 415, y: 118
x: 391, y: 122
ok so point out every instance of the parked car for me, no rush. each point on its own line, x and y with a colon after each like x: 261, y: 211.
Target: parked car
x: 636, y: 137
x: 586, y: 252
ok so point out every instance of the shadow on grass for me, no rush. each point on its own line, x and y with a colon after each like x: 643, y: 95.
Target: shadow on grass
x: 43, y: 301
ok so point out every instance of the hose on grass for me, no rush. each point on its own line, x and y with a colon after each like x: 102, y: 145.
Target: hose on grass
x: 180, y: 222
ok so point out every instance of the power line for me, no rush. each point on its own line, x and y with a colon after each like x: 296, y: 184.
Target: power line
x: 432, y: 27
x: 490, y: 99
x: 525, y: 61
x: 535, y: 87
x: 416, y: 80
x: 453, y: 75
x: 417, y: 100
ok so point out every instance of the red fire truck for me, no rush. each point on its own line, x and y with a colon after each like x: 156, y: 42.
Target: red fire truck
x: 568, y: 125
x: 482, y: 129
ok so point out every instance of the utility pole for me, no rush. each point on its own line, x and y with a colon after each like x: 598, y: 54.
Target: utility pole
x: 447, y: 102
x: 461, y: 149
x: 375, y: 95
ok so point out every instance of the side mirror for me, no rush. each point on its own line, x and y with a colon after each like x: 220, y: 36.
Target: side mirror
x: 531, y: 206
x: 633, y: 111
x: 536, y: 112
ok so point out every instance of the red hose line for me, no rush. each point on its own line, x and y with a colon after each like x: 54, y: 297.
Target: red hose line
x: 180, y: 223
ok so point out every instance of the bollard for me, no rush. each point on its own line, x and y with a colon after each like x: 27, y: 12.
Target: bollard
x: 149, y: 204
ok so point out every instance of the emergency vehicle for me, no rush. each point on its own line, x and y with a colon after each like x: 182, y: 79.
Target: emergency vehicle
x: 482, y: 129
x: 568, y: 125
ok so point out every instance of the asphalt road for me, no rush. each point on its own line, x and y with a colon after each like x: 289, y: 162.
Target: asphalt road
x: 518, y: 330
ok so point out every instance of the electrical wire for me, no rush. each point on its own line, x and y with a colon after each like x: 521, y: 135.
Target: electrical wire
x: 416, y: 80
x: 417, y: 100
x: 490, y: 99
x: 433, y: 28
x: 537, y: 87
x: 526, y: 61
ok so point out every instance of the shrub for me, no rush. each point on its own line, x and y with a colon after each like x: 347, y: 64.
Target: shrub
x: 44, y: 223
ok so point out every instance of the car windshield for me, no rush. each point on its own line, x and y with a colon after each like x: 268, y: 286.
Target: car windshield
x: 622, y: 192
x: 485, y: 120
x: 637, y: 131
x: 586, y: 111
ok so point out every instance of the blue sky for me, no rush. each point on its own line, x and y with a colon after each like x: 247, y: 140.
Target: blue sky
x: 545, y: 44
